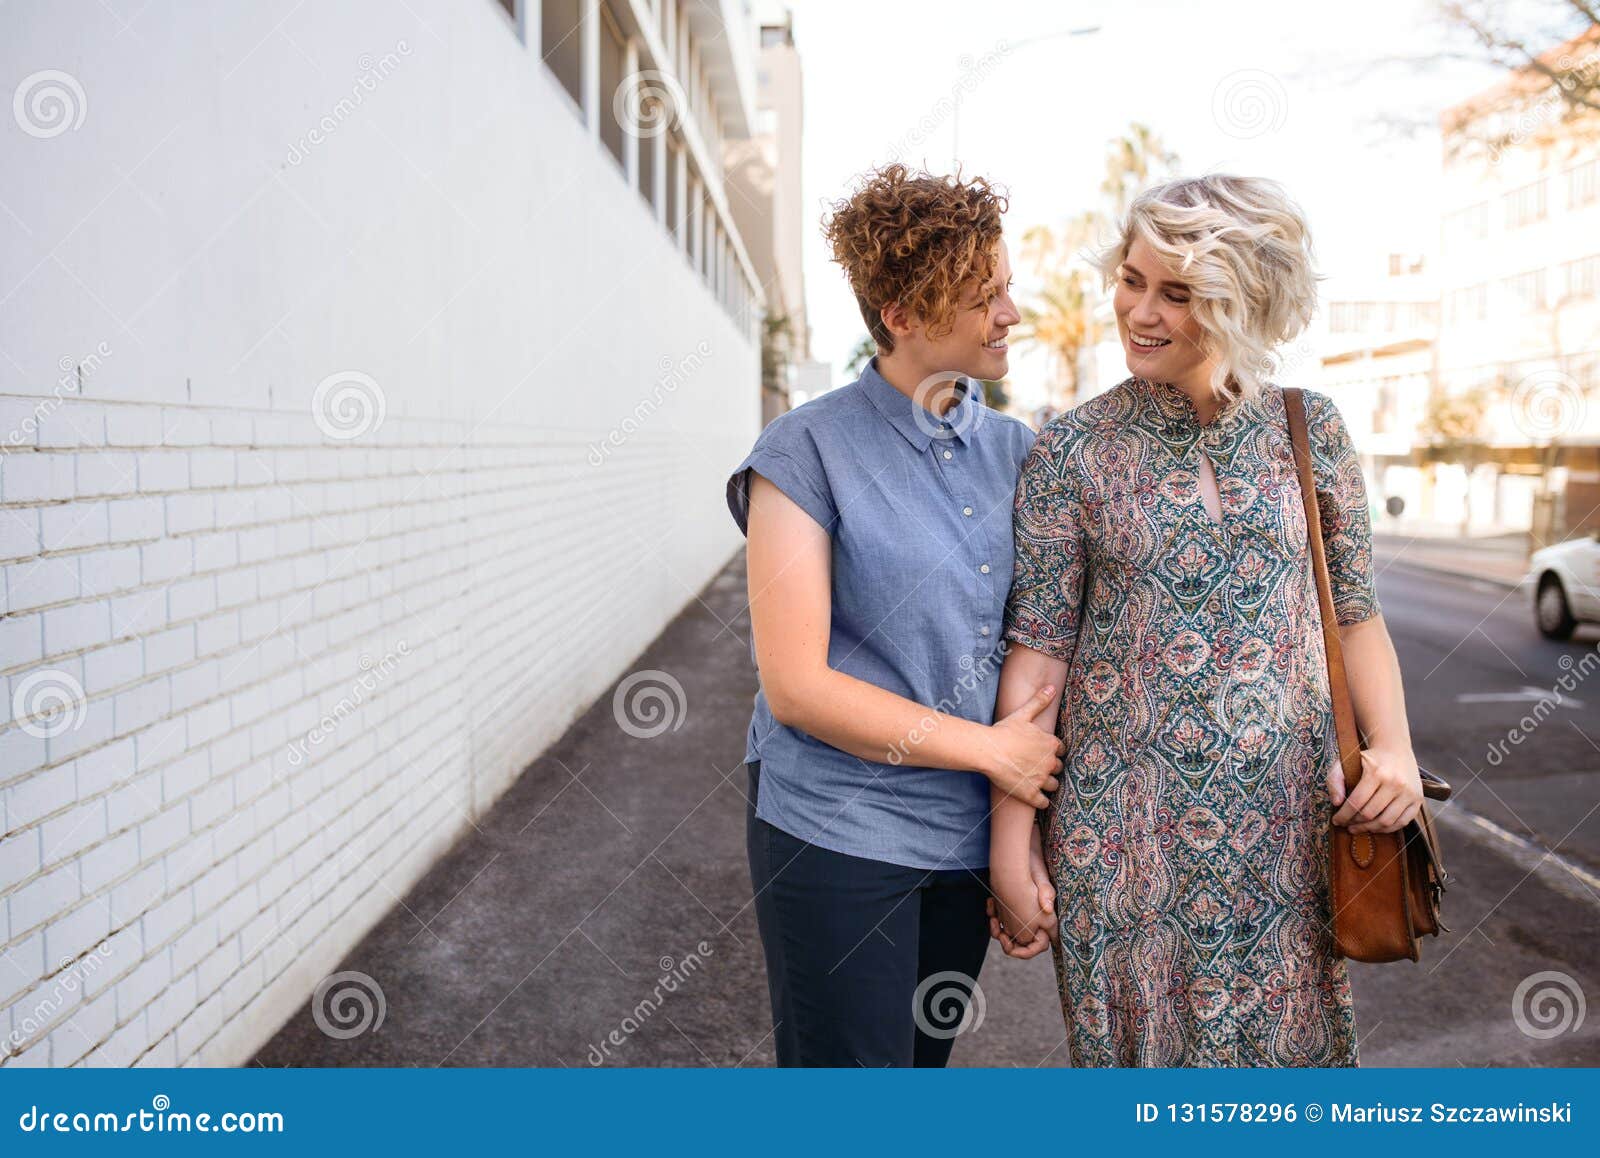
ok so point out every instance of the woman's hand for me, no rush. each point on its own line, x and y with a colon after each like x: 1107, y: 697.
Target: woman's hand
x: 1041, y: 926
x: 1016, y: 917
x: 1385, y: 799
x: 1024, y: 758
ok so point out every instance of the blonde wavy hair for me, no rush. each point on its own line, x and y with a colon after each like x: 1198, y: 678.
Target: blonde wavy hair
x: 1244, y: 249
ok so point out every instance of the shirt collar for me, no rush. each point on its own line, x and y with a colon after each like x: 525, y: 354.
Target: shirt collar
x: 918, y: 425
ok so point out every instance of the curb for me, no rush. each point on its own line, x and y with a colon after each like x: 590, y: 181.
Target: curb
x: 1447, y: 572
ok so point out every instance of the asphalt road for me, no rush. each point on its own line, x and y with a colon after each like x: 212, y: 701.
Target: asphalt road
x: 599, y: 914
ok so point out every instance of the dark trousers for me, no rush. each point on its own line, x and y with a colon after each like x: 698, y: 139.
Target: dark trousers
x: 868, y: 963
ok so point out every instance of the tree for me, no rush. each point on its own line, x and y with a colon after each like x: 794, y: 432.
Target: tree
x: 1133, y: 161
x: 1551, y: 95
x: 863, y: 352
x: 1453, y: 425
x: 1060, y: 316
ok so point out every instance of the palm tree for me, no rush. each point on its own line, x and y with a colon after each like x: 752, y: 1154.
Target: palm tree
x: 1133, y: 161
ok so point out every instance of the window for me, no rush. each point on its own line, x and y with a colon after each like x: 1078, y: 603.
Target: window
x: 613, y: 52
x: 647, y: 155
x: 561, y: 43
x: 1527, y: 289
x: 1583, y: 277
x: 694, y: 222
x: 674, y: 167
x: 1583, y: 184
x: 1525, y: 206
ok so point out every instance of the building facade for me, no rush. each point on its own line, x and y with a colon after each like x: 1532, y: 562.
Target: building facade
x: 368, y: 380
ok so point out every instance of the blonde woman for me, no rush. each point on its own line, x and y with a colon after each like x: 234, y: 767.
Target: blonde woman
x: 1162, y: 579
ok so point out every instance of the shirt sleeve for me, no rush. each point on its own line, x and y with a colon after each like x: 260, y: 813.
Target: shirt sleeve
x: 1345, y: 516
x: 1046, y: 601
x: 789, y: 459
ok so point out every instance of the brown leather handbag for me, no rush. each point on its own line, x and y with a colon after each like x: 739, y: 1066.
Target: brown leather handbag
x: 1386, y: 887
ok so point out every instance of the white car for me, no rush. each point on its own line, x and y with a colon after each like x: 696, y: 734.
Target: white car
x: 1564, y: 581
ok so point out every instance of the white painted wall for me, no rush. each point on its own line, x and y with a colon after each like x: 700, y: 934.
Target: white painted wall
x: 184, y: 541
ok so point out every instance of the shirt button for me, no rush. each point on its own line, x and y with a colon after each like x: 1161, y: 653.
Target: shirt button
x: 984, y: 568
x: 947, y: 454
x: 966, y: 511
x: 984, y: 630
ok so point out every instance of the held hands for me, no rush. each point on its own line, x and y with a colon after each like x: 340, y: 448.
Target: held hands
x: 1022, y: 911
x: 1024, y: 758
x: 1385, y: 799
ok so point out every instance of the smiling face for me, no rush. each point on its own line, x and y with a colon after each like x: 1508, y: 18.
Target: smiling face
x: 977, y: 345
x: 1161, y: 337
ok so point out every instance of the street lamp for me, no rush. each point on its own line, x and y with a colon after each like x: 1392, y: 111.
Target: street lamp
x: 955, y: 118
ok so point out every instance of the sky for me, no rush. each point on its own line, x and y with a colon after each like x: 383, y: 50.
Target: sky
x: 1307, y: 94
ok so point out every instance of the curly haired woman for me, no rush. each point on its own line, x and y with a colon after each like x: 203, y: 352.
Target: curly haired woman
x: 879, y: 526
x: 1162, y: 579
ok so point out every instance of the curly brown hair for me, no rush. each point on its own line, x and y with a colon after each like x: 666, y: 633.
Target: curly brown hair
x: 915, y: 239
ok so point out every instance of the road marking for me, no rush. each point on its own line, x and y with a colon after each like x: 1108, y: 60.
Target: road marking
x: 1555, y: 870
x: 1523, y: 695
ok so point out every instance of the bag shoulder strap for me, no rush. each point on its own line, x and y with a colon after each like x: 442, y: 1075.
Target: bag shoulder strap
x: 1344, y: 716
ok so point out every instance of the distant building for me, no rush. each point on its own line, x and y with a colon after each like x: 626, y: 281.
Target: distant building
x: 1519, y: 281
x: 765, y: 200
x: 1375, y: 333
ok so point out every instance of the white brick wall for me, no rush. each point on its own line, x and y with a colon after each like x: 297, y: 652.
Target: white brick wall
x: 205, y: 574
x: 181, y: 866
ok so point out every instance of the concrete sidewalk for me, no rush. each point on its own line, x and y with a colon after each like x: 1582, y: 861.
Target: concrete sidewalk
x: 599, y: 914
x: 1501, y: 560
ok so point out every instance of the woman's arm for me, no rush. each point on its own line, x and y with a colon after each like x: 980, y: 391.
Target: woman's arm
x: 790, y: 565
x: 1021, y: 913
x: 1389, y: 793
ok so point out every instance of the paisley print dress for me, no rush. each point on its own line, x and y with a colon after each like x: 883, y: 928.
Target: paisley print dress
x: 1188, y: 840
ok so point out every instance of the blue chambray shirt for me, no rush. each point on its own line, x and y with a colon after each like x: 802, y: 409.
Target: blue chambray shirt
x: 919, y: 509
